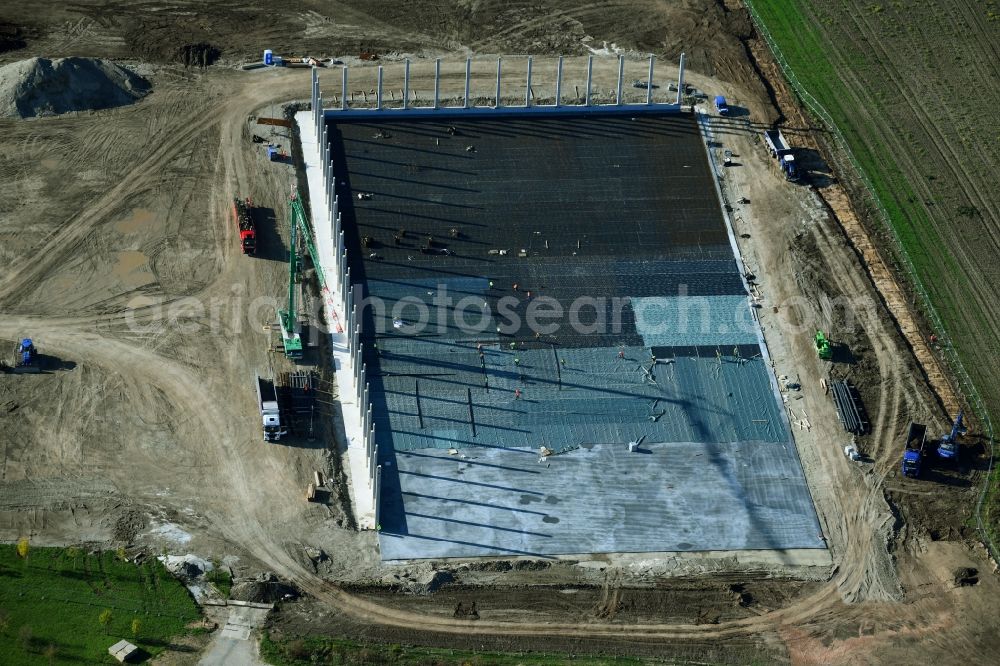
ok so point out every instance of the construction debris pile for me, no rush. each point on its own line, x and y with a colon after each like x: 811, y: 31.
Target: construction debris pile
x: 43, y: 87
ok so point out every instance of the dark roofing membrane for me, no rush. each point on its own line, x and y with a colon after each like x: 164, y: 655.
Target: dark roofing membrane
x: 615, y: 220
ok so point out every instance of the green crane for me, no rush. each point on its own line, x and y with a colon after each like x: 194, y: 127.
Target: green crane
x: 305, y: 229
x: 288, y: 320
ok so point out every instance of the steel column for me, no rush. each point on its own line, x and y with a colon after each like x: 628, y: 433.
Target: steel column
x: 621, y: 78
x: 378, y: 90
x: 365, y: 405
x: 406, y: 84
x: 437, y: 81
x: 362, y: 376
x: 527, y: 92
x: 499, y: 70
x: 343, y: 90
x: 378, y: 497
x: 590, y: 76
x: 468, y: 75
x: 649, y: 81
x: 680, y: 81
x: 559, y: 69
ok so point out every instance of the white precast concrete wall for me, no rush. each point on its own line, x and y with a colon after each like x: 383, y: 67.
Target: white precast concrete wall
x: 341, y: 313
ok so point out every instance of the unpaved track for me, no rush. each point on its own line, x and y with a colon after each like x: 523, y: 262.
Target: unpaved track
x: 250, y: 493
x: 227, y: 437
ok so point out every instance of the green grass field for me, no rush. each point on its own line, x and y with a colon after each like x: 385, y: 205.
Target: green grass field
x: 808, y: 52
x: 51, y: 605
x: 305, y: 651
x: 913, y: 115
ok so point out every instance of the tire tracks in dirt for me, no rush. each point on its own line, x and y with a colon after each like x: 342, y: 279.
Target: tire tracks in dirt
x: 953, y: 162
x: 247, y: 521
x: 192, y: 399
x: 895, y: 299
x: 66, y: 239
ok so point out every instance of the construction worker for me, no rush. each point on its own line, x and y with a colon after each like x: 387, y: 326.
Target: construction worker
x: 621, y: 354
x: 517, y: 361
x: 517, y: 394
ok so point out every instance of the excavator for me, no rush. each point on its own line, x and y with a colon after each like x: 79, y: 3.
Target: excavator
x: 948, y: 446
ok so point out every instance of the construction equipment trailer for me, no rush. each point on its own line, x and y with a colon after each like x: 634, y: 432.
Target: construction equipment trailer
x: 270, y: 410
x: 948, y: 446
x: 913, y: 454
x: 297, y: 394
x: 243, y: 219
x: 781, y: 151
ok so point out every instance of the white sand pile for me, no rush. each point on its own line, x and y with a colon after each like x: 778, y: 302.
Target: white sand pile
x: 43, y: 87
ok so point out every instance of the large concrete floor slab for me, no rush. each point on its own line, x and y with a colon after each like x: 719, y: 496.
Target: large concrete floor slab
x: 459, y: 229
x: 598, y: 499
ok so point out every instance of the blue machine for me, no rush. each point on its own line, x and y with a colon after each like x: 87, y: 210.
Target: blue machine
x: 721, y: 106
x: 948, y: 446
x: 913, y: 454
x: 27, y: 352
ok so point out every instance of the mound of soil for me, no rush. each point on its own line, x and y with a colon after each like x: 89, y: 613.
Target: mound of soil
x: 265, y: 588
x: 43, y: 87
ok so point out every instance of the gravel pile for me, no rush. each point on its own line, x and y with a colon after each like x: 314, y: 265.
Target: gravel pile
x: 43, y: 87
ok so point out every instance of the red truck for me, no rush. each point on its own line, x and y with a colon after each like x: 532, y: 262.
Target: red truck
x: 244, y: 223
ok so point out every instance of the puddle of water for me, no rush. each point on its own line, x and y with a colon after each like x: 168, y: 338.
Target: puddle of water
x: 140, y: 217
x: 127, y: 269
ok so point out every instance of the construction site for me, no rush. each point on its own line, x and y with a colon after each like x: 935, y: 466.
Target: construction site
x: 585, y: 352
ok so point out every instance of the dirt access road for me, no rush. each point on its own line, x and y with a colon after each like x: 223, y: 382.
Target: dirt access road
x: 123, y: 265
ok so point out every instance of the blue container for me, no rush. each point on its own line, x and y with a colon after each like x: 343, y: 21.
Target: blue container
x: 268, y: 57
x: 272, y: 153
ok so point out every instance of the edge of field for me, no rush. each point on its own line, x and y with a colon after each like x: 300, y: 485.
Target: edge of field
x: 799, y: 49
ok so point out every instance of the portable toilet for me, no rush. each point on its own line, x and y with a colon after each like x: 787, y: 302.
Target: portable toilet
x: 720, y: 105
x: 268, y: 57
x: 272, y: 153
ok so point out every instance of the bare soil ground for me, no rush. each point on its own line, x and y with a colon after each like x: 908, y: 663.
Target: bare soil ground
x: 119, y: 259
x: 889, y: 54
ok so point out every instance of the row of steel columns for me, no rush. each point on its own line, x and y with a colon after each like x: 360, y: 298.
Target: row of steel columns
x: 345, y: 94
x: 350, y: 296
